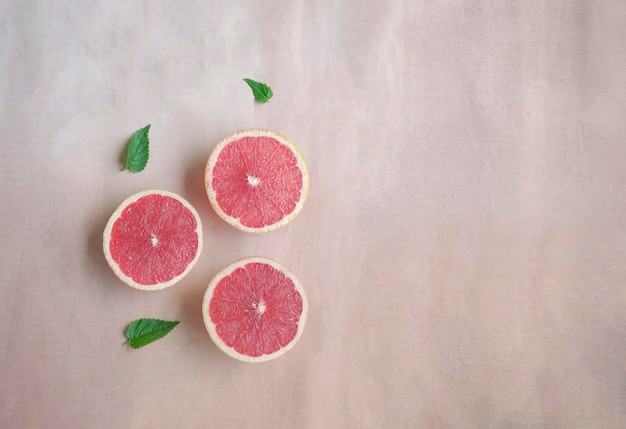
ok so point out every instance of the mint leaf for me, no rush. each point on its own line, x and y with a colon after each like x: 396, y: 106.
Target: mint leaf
x: 262, y: 92
x: 138, y: 150
x: 145, y: 331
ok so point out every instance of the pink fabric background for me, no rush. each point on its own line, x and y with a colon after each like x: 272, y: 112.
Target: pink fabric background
x: 462, y: 247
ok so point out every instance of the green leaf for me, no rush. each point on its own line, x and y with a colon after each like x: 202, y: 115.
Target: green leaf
x: 144, y: 331
x: 262, y: 92
x: 138, y: 150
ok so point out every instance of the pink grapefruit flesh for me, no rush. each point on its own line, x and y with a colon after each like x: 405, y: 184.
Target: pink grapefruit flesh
x: 153, y: 240
x: 256, y: 180
x: 255, y: 310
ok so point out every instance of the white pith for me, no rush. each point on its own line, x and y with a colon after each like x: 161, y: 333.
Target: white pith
x: 235, y: 222
x: 260, y: 308
x: 154, y: 241
x: 253, y: 181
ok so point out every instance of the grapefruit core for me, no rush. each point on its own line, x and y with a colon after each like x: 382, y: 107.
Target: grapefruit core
x: 255, y: 310
x: 153, y: 240
x: 256, y: 180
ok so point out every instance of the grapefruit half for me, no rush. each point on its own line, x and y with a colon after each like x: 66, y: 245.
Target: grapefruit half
x: 153, y: 239
x: 255, y: 310
x: 256, y: 180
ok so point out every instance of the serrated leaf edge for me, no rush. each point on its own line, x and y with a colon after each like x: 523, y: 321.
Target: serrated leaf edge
x: 165, y: 330
x: 134, y: 145
x: 261, y: 91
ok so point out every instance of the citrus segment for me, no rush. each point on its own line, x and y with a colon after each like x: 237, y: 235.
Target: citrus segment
x: 255, y: 310
x: 153, y: 240
x: 256, y: 180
